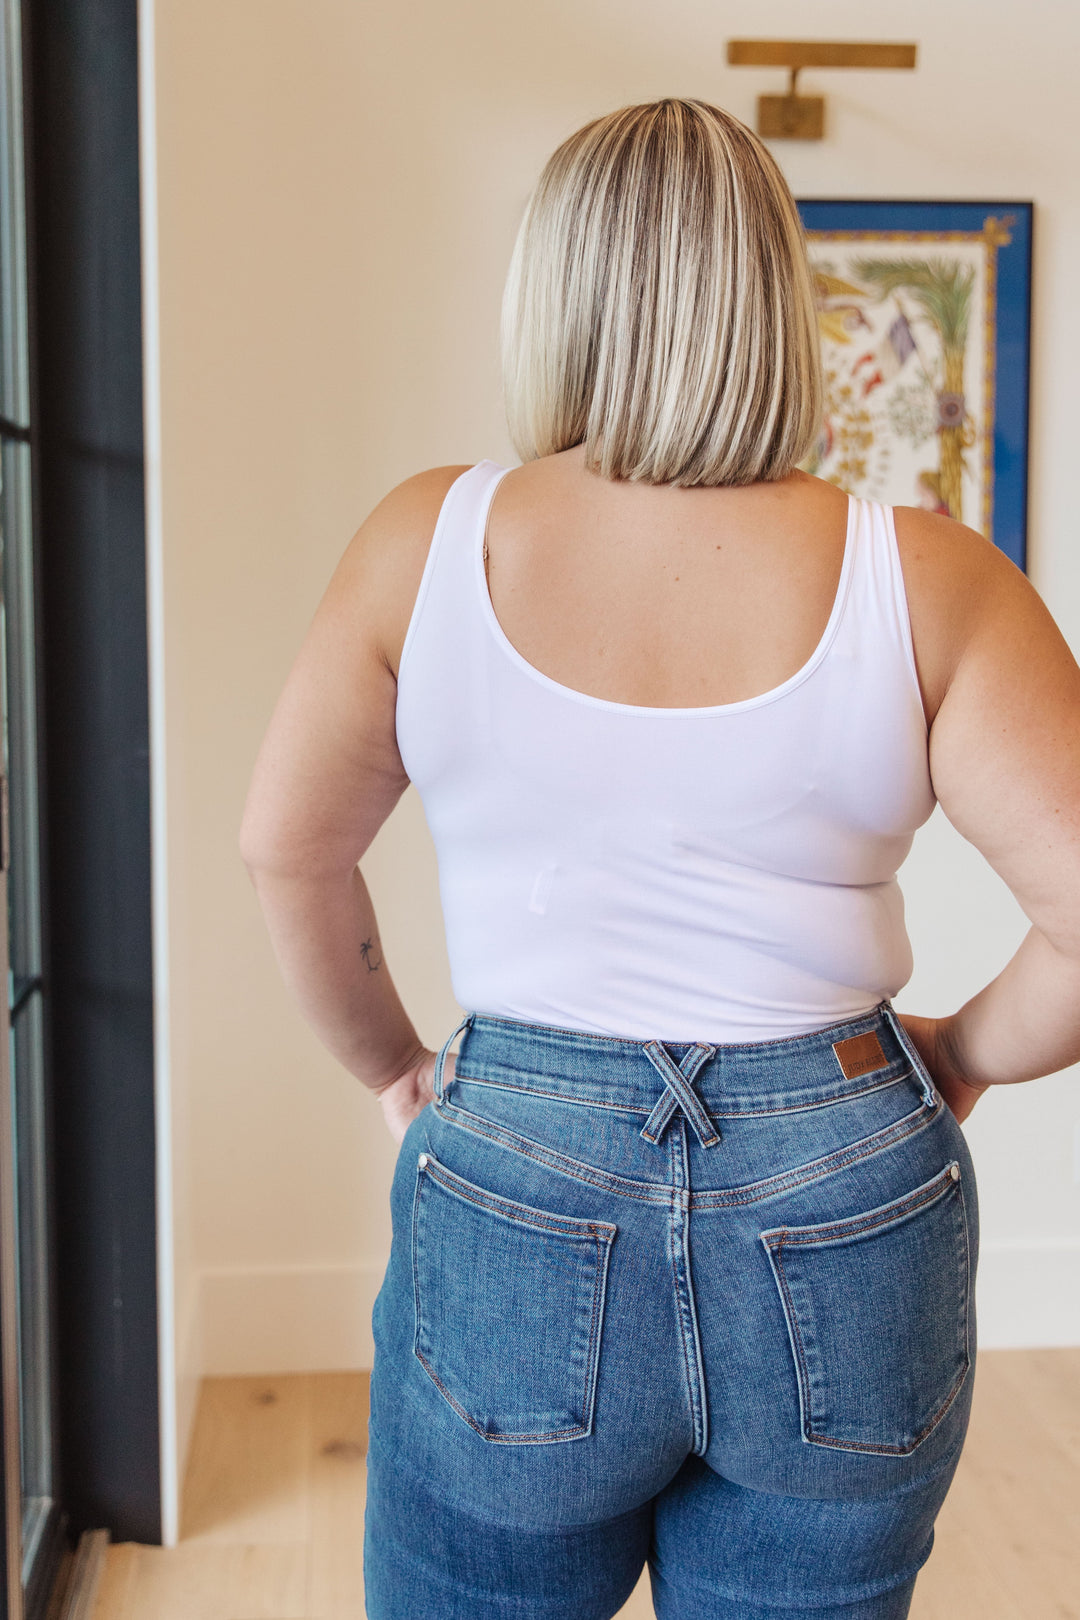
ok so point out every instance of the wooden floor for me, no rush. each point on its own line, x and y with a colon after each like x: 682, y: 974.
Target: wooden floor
x: 273, y: 1506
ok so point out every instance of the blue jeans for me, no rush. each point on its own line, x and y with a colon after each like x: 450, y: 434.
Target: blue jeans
x: 705, y: 1307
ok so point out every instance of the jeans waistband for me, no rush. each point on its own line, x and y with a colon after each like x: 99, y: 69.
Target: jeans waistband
x: 756, y: 1077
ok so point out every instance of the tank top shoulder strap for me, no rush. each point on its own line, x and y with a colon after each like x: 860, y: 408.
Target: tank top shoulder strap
x: 448, y: 597
x: 877, y: 600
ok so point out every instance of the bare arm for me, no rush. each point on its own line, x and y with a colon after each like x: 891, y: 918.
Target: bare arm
x: 327, y: 776
x: 1004, y: 693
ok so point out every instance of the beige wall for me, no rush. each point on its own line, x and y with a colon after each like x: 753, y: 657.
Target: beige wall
x: 339, y: 186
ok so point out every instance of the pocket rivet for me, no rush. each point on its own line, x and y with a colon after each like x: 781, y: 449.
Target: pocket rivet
x: 954, y: 1171
x: 423, y: 1159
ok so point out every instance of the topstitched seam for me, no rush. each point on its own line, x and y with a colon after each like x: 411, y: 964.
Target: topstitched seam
x: 823, y: 1099
x: 496, y: 1205
x: 656, y: 1193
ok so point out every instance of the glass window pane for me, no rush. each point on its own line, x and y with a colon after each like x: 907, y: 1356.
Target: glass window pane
x: 18, y: 688
x: 23, y: 1012
x: 33, y: 1269
x: 19, y: 731
x: 17, y: 672
x: 14, y: 384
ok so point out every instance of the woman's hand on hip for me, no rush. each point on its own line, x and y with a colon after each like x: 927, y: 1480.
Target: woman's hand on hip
x: 930, y: 1037
x: 409, y: 1094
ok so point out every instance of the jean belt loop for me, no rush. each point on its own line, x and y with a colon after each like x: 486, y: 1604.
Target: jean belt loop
x: 440, y: 1061
x: 679, y: 1092
x: 922, y: 1073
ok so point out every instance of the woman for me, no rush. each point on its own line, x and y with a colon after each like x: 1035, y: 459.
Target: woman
x: 685, y: 1237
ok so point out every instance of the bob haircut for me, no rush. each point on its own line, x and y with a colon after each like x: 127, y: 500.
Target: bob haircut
x: 659, y: 307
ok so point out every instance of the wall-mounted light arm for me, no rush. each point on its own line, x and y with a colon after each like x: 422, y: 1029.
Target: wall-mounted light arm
x: 795, y: 117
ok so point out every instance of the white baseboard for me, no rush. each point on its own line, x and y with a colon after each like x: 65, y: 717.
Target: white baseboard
x: 318, y: 1318
x: 1028, y: 1295
x: 288, y: 1319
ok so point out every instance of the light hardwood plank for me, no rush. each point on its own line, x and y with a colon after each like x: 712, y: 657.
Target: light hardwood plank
x: 247, y: 1474
x: 211, y: 1581
x: 116, y: 1593
x: 1047, y: 1384
x: 338, y: 1477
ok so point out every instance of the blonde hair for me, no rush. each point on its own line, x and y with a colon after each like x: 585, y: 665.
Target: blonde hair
x: 659, y: 307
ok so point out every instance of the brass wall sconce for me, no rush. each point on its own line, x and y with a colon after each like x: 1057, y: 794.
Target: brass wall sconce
x: 802, y: 118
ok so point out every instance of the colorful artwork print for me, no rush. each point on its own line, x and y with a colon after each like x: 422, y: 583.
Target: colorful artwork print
x: 923, y: 310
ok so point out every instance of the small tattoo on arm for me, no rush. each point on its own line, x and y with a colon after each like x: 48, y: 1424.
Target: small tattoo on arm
x: 371, y: 951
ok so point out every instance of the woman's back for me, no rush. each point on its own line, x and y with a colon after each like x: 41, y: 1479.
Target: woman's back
x: 656, y: 595
x: 672, y: 752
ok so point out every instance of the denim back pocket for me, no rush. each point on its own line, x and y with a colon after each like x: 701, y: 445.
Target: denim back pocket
x: 509, y: 1307
x: 877, y: 1315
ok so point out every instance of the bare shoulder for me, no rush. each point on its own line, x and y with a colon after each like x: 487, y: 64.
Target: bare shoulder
x: 961, y: 589
x: 414, y: 500
x: 402, y: 524
x: 939, y: 548
x: 378, y: 577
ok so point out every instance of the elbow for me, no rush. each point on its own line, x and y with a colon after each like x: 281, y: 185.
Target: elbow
x: 266, y: 862
x: 251, y: 853
x: 259, y: 848
x: 276, y: 852
x: 270, y: 840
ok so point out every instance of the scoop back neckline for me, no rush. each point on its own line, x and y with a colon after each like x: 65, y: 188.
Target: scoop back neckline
x: 571, y: 693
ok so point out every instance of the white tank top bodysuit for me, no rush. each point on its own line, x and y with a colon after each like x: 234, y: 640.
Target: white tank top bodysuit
x: 716, y: 874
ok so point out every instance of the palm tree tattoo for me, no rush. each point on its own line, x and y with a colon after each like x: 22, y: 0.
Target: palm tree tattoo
x: 371, y: 952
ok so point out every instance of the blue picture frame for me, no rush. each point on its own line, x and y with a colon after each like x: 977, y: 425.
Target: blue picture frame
x: 1003, y: 230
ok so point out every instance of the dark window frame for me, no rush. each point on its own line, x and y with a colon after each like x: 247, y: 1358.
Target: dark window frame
x: 84, y: 243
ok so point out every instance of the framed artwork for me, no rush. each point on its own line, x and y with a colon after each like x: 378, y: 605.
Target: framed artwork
x: 924, y: 312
